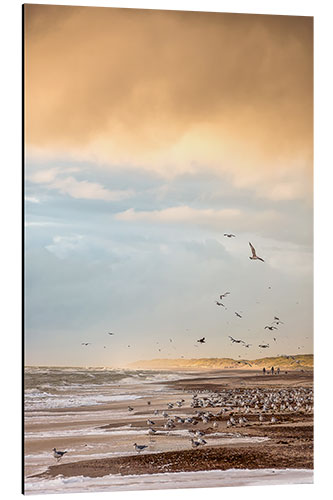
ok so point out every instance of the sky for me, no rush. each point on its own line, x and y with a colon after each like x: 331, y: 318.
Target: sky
x: 148, y: 135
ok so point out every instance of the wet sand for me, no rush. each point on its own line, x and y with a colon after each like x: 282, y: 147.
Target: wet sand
x: 288, y: 443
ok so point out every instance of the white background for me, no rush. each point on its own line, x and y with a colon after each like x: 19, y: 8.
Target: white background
x: 10, y: 247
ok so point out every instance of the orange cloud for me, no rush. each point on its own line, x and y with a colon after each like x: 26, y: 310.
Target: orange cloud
x: 170, y: 91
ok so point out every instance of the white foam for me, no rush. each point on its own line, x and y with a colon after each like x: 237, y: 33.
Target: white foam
x: 166, y: 480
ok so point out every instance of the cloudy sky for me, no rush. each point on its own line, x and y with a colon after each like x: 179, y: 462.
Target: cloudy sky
x: 148, y: 135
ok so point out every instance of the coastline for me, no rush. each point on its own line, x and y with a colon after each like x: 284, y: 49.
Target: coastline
x: 286, y: 445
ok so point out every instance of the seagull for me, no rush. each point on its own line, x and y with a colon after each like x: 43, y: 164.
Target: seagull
x: 229, y: 235
x: 202, y: 341
x: 263, y: 345
x: 247, y: 345
x: 219, y: 303
x: 244, y: 362
x: 130, y: 408
x: 238, y: 315
x: 277, y: 319
x: 270, y: 328
x: 86, y: 343
x: 235, y: 340
x: 254, y: 255
x: 58, y: 454
x: 110, y: 333
x: 224, y: 295
x: 150, y: 422
x: 151, y: 431
x: 140, y: 447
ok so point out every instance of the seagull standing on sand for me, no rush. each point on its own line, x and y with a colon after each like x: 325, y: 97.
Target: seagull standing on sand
x: 58, y: 454
x: 254, y: 255
x: 140, y: 447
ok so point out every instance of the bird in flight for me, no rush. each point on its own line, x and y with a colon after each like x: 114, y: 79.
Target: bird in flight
x: 247, y: 345
x: 110, y: 333
x: 270, y: 328
x: 219, y: 303
x: 254, y: 255
x: 238, y: 315
x: 224, y: 295
x: 202, y: 341
x: 263, y: 345
x: 85, y: 343
x: 244, y: 363
x: 229, y: 235
x: 235, y: 340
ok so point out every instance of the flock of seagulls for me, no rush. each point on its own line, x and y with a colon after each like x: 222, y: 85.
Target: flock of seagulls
x: 239, y: 314
x: 202, y: 417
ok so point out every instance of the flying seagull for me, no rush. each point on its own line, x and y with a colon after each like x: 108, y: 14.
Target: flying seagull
x: 58, y: 454
x: 224, y: 295
x: 254, y: 255
x: 110, y: 333
x: 238, y: 315
x: 263, y: 345
x: 86, y: 343
x: 235, y: 340
x: 202, y: 341
x: 270, y: 328
x: 244, y: 362
x: 219, y: 303
x: 229, y: 235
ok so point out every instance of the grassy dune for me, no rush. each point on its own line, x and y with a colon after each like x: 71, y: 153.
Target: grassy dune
x: 305, y: 362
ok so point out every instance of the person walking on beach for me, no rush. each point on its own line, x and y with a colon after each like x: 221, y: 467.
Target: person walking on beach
x: 272, y: 370
x: 278, y: 370
x: 264, y: 371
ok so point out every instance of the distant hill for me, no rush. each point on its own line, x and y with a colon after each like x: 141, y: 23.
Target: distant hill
x: 305, y: 361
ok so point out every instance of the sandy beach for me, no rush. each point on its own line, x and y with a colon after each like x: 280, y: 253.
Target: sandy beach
x: 99, y: 438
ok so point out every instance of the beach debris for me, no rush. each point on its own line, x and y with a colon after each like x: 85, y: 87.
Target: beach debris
x: 254, y: 255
